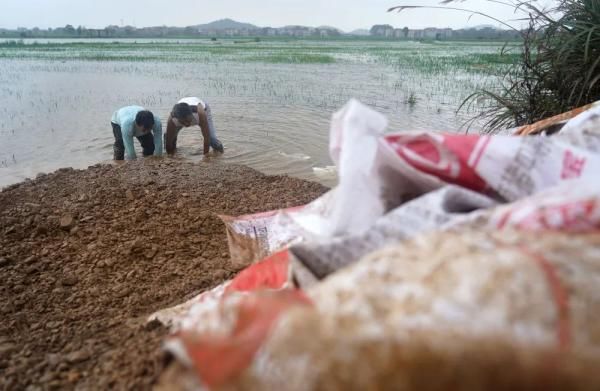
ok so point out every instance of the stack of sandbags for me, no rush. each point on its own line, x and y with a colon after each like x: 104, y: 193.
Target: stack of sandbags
x: 468, y: 310
x: 572, y: 207
x: 441, y: 261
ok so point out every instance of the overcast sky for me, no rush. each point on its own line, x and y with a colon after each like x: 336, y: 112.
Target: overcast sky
x: 347, y: 14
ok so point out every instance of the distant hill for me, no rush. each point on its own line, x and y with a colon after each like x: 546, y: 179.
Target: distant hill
x: 224, y: 24
x: 331, y: 28
x: 360, y: 32
x: 229, y: 24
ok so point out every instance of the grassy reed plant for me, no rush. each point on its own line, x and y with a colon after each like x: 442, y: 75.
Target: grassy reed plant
x: 557, y: 69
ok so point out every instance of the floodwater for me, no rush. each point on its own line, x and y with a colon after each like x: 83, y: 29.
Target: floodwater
x: 273, y: 116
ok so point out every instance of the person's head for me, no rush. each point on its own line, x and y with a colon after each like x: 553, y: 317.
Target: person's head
x: 145, y: 120
x: 183, y: 113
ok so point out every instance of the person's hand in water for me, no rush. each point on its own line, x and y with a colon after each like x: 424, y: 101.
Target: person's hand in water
x: 207, y: 157
x: 218, y: 147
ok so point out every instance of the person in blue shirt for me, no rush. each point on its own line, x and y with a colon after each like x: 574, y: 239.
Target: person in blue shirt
x: 135, y: 121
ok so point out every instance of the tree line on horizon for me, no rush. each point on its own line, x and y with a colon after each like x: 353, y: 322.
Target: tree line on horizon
x: 377, y: 31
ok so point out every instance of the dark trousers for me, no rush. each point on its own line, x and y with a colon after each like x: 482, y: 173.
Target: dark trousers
x: 146, y: 140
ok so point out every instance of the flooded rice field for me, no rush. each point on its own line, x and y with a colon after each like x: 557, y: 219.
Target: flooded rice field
x: 271, y: 100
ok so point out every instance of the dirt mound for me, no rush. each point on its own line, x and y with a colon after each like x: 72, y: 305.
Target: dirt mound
x: 86, y: 255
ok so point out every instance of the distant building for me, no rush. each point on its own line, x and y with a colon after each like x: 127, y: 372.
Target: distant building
x: 445, y: 33
x: 297, y: 31
x: 388, y: 31
x: 430, y: 32
x: 382, y: 30
x: 415, y: 34
x: 398, y: 33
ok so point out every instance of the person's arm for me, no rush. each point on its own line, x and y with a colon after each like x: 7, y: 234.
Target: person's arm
x: 171, y: 135
x: 127, y: 133
x: 203, y: 122
x: 158, y: 139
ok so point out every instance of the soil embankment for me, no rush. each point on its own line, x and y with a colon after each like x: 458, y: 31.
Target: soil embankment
x: 86, y: 256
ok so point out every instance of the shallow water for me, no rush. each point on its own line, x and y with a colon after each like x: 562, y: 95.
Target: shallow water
x: 271, y: 114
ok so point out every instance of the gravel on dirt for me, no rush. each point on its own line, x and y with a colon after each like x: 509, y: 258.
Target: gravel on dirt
x: 87, y: 255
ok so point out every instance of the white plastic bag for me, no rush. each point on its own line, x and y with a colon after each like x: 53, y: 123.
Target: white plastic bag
x: 378, y: 173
